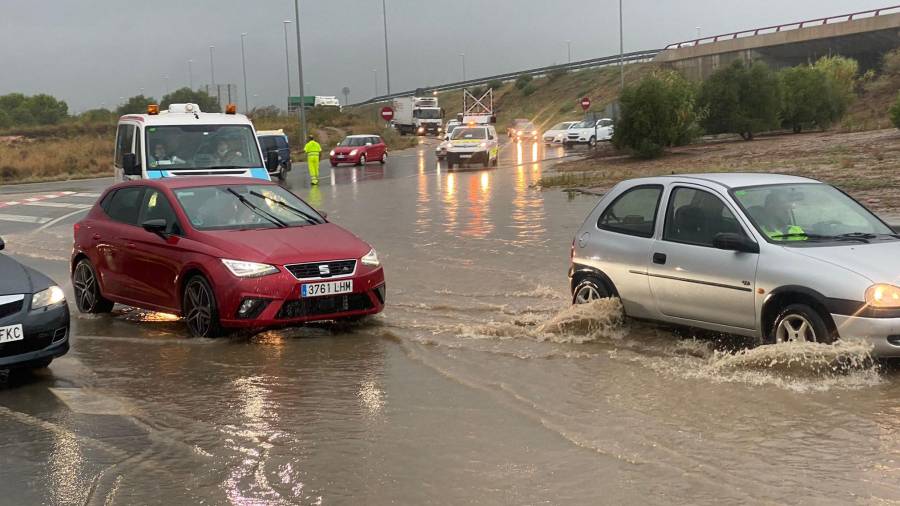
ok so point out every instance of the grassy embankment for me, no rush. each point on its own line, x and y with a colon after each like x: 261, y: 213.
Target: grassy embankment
x: 76, y: 149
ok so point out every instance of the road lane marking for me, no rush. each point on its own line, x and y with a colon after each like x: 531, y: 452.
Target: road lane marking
x: 65, y: 205
x: 23, y: 219
x: 86, y: 194
x: 50, y: 223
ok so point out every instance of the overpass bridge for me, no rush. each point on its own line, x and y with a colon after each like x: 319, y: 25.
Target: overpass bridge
x: 864, y: 36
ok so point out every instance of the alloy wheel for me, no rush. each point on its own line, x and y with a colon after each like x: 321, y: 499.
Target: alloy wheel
x: 795, y: 327
x: 85, y: 284
x: 586, y: 293
x: 198, y: 313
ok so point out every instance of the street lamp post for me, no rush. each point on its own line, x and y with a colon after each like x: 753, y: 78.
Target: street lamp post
x: 287, y: 60
x: 244, y: 69
x: 212, y: 75
x: 463, y: 56
x: 375, y: 73
x: 387, y: 65
x: 569, y: 49
x: 190, y: 74
x: 621, y: 49
x: 166, y: 80
x: 300, y: 71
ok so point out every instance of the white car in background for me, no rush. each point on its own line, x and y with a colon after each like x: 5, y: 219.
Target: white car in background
x: 557, y: 134
x: 589, y: 132
x: 441, y: 150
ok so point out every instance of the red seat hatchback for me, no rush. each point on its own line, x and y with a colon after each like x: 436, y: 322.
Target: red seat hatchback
x: 358, y: 150
x: 222, y: 252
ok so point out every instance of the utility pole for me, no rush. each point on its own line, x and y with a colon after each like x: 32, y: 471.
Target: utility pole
x: 190, y: 75
x: 569, y: 49
x: 300, y: 71
x: 621, y: 49
x: 244, y: 68
x: 287, y: 60
x: 387, y: 65
x: 212, y: 73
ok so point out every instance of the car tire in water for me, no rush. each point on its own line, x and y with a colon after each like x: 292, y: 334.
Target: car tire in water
x: 282, y: 173
x: 590, y: 289
x: 362, y: 160
x: 592, y: 142
x: 383, y: 158
x: 85, y: 282
x: 800, y: 322
x: 199, y: 308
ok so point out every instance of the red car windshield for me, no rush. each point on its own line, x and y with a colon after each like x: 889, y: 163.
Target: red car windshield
x: 244, y: 207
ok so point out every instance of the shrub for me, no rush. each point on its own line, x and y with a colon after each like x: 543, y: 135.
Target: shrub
x: 523, y: 81
x: 528, y: 89
x: 741, y: 99
x: 19, y: 110
x: 808, y: 94
x: 496, y: 84
x: 556, y: 74
x: 136, y: 105
x: 895, y: 112
x: 657, y: 112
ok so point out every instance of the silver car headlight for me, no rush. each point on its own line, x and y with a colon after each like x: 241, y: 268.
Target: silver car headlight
x: 244, y: 269
x: 883, y: 295
x: 48, y: 297
x: 371, y: 258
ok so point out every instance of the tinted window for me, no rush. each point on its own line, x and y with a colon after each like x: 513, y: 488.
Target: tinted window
x: 696, y: 216
x: 267, y: 143
x: 124, y: 142
x: 633, y: 212
x: 157, y: 207
x: 125, y: 205
x: 281, y: 143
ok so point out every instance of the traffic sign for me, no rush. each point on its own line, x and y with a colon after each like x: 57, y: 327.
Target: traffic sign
x: 387, y: 113
x: 585, y: 103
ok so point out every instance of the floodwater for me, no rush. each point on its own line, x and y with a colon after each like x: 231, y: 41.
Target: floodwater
x: 479, y: 384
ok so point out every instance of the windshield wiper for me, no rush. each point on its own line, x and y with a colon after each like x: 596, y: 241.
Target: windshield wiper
x: 307, y: 217
x: 257, y: 210
x: 819, y: 237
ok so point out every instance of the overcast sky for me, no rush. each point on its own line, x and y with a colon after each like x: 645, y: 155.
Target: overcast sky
x: 92, y: 52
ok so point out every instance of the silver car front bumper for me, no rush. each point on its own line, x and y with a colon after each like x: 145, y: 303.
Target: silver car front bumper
x: 882, y: 333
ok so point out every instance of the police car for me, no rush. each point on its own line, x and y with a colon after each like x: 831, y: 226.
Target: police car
x: 473, y: 143
x: 184, y: 141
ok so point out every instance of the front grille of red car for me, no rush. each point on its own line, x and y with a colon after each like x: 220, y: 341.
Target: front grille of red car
x: 313, y: 270
x: 317, y: 306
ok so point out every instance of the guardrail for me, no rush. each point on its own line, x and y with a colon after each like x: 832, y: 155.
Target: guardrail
x: 786, y: 26
x: 605, y: 61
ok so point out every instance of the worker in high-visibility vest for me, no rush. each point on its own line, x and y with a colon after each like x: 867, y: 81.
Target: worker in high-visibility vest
x: 313, y: 149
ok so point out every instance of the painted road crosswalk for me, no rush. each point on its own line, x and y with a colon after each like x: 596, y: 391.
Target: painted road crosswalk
x: 42, y: 209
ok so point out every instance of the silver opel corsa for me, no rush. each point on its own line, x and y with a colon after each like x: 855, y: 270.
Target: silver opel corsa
x: 779, y: 258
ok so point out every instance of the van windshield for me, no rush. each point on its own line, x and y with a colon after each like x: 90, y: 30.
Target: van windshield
x: 469, y: 133
x: 201, y: 147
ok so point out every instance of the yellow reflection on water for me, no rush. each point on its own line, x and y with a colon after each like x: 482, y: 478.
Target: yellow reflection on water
x: 479, y: 223
x: 528, y: 207
x: 451, y: 204
x: 519, y: 157
x: 534, y: 152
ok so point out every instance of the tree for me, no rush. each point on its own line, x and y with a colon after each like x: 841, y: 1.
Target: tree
x: 741, y: 99
x: 841, y: 73
x: 46, y: 110
x: 808, y: 94
x: 135, y: 105
x: 97, y: 115
x: 895, y: 112
x: 657, y: 112
x: 496, y: 84
x: 186, y: 95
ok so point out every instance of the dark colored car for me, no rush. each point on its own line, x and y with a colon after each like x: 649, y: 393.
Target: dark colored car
x: 34, y: 317
x: 525, y: 131
x: 515, y: 126
x: 359, y: 150
x: 275, y: 141
x: 223, y: 252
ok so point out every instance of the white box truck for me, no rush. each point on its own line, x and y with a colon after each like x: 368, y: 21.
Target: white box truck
x: 418, y: 115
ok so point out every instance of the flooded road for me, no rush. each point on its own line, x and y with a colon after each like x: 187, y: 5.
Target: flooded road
x: 479, y: 384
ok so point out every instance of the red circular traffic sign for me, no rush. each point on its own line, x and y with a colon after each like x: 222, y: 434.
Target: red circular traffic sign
x: 387, y: 113
x: 585, y: 103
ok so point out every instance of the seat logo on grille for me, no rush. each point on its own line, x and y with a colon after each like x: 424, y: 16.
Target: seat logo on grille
x: 324, y: 270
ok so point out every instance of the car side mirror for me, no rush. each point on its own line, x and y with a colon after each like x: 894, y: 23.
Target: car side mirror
x: 2, y: 244
x: 130, y: 165
x: 271, y: 160
x: 735, y: 242
x: 156, y: 226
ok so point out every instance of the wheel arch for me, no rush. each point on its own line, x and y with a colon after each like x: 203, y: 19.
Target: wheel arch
x: 187, y: 273
x: 579, y: 272
x: 783, y: 296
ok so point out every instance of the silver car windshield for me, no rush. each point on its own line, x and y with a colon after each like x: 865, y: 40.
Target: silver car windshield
x: 809, y: 212
x: 201, y: 147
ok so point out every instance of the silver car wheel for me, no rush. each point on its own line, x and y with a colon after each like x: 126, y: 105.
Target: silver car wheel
x: 795, y: 327
x: 586, y: 294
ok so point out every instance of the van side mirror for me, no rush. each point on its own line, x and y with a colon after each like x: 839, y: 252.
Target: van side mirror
x: 130, y: 165
x: 735, y: 242
x: 271, y: 160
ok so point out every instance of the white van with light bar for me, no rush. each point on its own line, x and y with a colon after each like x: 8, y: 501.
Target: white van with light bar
x: 184, y: 141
